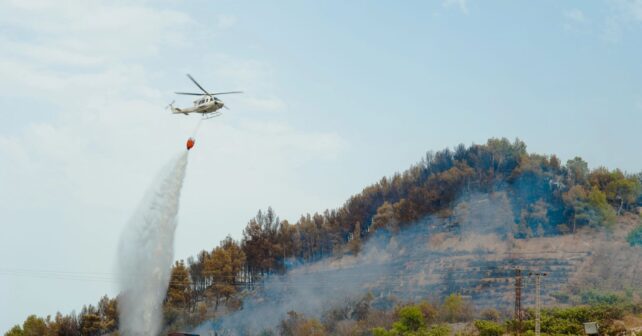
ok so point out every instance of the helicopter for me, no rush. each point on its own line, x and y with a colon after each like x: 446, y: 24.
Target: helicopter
x: 208, y: 104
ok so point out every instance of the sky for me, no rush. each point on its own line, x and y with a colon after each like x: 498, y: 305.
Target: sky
x: 336, y: 95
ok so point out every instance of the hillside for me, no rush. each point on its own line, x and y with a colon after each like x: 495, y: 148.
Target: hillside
x: 471, y: 253
x: 457, y: 223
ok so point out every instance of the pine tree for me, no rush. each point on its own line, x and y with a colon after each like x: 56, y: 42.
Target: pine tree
x: 179, y: 290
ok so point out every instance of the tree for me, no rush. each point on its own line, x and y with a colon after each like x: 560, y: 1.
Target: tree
x: 310, y: 328
x: 489, y: 328
x: 260, y: 244
x: 252, y: 245
x: 439, y: 330
x: 218, y: 268
x: 429, y: 311
x: 222, y: 267
x: 411, y: 322
x: 490, y: 314
x: 288, y: 241
x: 601, y: 177
x: 605, y: 213
x: 411, y: 318
x: 89, y: 321
x: 535, y: 217
x: 15, y: 331
x: 577, y: 170
x: 588, y: 207
x: 237, y: 257
x: 620, y: 190
x: 179, y: 289
x: 297, y: 325
x: 108, y: 311
x: 624, y: 191
x: 34, y: 326
x: 455, y: 309
x: 385, y: 219
x: 355, y: 243
x: 198, y: 280
x: 638, y: 177
x: 68, y: 325
x: 576, y: 202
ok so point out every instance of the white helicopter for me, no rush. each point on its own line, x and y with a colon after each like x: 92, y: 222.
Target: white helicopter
x: 208, y: 105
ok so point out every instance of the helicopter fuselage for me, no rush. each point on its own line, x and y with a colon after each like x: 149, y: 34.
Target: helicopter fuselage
x: 204, y: 105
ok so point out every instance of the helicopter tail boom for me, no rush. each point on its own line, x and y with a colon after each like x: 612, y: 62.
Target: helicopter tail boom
x: 176, y: 110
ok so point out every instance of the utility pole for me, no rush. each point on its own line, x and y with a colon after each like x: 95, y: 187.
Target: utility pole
x: 518, y: 300
x: 538, y: 302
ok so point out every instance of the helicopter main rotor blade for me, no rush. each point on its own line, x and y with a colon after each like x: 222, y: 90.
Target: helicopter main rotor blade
x: 211, y: 94
x: 189, y: 93
x: 220, y: 93
x: 199, y: 85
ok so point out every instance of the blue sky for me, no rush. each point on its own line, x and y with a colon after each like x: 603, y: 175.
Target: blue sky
x: 337, y: 95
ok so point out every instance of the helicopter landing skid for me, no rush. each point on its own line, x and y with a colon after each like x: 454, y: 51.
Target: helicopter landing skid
x: 211, y: 115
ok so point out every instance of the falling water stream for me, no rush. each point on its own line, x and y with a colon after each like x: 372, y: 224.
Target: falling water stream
x: 146, y: 253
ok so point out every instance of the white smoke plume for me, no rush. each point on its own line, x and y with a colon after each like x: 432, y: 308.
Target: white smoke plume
x: 309, y: 289
x: 471, y: 252
x: 146, y: 253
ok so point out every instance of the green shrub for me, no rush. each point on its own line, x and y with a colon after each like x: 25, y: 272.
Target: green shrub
x: 410, y: 319
x: 439, y: 330
x: 595, y: 297
x: 378, y: 331
x: 456, y: 309
x: 569, y: 321
x: 411, y: 322
x: 635, y: 236
x: 490, y: 314
x: 489, y: 328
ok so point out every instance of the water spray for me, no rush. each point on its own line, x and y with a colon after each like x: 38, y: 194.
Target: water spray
x: 146, y: 253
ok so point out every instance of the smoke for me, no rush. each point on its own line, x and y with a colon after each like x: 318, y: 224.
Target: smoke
x: 408, y: 265
x: 308, y: 289
x: 470, y: 251
x: 146, y: 253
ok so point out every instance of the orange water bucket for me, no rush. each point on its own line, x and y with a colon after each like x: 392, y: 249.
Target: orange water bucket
x: 190, y: 143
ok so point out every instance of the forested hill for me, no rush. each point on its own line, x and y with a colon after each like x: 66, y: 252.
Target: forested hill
x: 547, y: 198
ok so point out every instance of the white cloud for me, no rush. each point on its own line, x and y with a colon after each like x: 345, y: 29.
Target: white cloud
x: 624, y: 15
x: 93, y: 28
x: 612, y: 30
x: 462, y: 5
x: 266, y: 104
x: 226, y: 21
x: 576, y: 20
x: 575, y: 15
x: 632, y: 8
